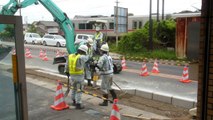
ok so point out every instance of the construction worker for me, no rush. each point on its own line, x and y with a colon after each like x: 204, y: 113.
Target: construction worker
x: 105, y: 66
x: 88, y: 73
x: 98, y: 40
x: 75, y: 67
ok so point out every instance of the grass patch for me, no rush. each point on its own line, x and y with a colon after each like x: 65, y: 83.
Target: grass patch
x: 145, y: 54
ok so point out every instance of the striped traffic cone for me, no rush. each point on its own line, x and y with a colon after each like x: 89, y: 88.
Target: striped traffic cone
x: 58, y: 53
x: 41, y: 53
x: 144, y: 71
x: 185, y: 76
x: 45, y: 58
x: 28, y: 53
x: 123, y: 63
x: 115, y: 114
x: 59, y: 102
x: 155, y: 67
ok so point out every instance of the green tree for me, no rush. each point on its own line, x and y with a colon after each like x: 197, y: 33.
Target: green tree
x: 8, y: 32
x: 138, y: 40
x: 166, y: 32
x: 32, y: 29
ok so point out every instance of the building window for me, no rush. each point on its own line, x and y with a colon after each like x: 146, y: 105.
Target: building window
x: 73, y: 24
x: 111, y: 25
x: 134, y: 25
x: 140, y: 24
x: 88, y: 26
x: 81, y: 26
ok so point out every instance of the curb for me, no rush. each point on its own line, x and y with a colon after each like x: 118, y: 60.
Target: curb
x: 176, y: 101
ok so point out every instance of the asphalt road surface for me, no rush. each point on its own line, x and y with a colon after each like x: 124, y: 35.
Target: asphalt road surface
x: 166, y: 82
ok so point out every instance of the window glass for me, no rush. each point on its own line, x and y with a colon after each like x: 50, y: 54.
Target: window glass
x: 111, y: 25
x: 7, y: 95
x: 134, y: 25
x: 79, y: 37
x: 81, y: 26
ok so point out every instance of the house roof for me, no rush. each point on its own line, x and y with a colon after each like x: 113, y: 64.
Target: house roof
x: 48, y: 23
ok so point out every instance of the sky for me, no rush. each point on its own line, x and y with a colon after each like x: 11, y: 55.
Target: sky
x: 103, y: 7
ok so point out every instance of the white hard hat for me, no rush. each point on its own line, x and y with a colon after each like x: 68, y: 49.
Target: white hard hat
x: 90, y: 41
x: 83, y: 48
x: 97, y: 28
x: 105, y: 47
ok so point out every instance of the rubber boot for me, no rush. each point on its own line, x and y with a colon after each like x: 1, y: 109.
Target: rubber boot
x: 89, y: 82
x: 114, y: 96
x: 79, y: 106
x: 105, y: 102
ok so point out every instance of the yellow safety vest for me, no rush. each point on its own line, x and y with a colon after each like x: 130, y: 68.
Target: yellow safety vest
x: 97, y: 35
x: 72, y: 65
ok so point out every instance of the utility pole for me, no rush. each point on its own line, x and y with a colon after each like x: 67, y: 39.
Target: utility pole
x: 150, y: 27
x: 157, y: 10
x: 116, y: 24
x: 162, y: 9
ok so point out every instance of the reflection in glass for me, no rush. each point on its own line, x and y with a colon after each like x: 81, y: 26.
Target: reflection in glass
x: 7, y: 48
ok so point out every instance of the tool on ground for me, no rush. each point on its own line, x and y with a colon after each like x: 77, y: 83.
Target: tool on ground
x: 88, y: 93
x: 68, y: 86
x: 123, y: 92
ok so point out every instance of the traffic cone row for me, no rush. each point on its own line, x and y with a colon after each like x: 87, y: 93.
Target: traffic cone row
x: 59, y: 102
x: 144, y: 71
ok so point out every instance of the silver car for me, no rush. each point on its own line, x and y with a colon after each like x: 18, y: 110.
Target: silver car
x: 53, y: 40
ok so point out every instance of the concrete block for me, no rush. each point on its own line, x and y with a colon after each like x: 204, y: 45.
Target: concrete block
x: 182, y: 102
x: 145, y: 94
x: 162, y: 98
x: 130, y: 91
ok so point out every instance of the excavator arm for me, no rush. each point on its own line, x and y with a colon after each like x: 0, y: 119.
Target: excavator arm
x: 59, y: 16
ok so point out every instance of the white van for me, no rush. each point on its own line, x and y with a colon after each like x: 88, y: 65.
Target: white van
x: 82, y: 37
x: 33, y: 38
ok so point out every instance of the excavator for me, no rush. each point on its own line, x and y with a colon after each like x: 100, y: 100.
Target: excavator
x: 60, y: 17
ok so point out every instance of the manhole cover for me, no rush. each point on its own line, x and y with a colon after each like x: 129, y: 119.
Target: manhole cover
x: 93, y: 112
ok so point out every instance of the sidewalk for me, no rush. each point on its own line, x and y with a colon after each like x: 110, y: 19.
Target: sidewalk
x: 93, y: 102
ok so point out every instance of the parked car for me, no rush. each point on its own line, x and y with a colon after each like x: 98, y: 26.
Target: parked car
x: 33, y: 38
x: 53, y: 40
x: 82, y: 37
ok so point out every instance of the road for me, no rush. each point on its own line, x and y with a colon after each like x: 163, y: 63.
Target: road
x: 166, y: 82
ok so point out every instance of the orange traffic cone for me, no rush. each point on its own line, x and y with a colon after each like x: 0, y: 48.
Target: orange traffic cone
x: 28, y: 53
x: 115, y: 114
x: 45, y: 58
x: 41, y: 53
x: 155, y: 67
x: 57, y: 53
x: 185, y: 76
x: 144, y: 71
x: 123, y: 63
x: 59, y: 103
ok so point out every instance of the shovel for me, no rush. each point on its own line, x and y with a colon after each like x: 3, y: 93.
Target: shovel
x: 123, y: 92
x: 68, y: 87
